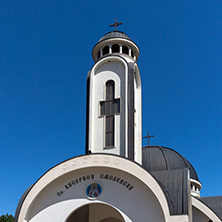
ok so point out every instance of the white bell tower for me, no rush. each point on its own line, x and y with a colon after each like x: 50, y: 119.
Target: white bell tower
x: 114, y: 98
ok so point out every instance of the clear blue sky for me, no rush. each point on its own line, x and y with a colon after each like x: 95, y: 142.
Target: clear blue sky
x: 45, y: 54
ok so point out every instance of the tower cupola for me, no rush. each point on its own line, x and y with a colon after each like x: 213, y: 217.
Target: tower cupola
x: 115, y: 42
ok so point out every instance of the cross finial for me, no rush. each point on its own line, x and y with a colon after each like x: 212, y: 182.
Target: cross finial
x: 148, y: 137
x: 116, y: 24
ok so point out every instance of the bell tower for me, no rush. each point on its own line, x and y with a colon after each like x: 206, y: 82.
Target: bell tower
x: 114, y: 114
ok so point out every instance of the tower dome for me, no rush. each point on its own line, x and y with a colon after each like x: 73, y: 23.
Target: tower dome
x: 158, y: 158
x: 115, y: 34
x: 115, y: 42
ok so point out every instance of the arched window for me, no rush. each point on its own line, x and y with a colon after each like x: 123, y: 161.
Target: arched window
x: 125, y: 50
x: 115, y: 48
x: 106, y: 50
x: 109, y: 109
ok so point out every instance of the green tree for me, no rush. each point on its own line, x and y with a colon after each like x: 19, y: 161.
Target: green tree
x: 6, y: 218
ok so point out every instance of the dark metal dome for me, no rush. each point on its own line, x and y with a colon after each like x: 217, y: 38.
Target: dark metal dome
x: 115, y: 34
x: 158, y: 158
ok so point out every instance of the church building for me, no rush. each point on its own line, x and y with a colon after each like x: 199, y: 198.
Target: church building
x: 118, y: 180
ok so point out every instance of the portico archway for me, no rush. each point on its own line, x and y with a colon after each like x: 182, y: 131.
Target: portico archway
x: 110, y: 219
x: 96, y: 212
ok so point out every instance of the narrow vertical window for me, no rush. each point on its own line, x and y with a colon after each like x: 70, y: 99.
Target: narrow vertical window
x: 108, y: 109
x: 98, y: 56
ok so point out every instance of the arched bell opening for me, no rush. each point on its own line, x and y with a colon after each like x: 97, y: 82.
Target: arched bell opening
x: 125, y: 50
x: 106, y: 50
x: 115, y: 48
x: 96, y: 212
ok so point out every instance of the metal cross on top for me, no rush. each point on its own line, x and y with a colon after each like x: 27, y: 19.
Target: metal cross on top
x: 148, y: 137
x: 116, y: 24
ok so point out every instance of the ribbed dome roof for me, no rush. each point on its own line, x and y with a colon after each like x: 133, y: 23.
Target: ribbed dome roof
x: 158, y: 158
x: 114, y: 34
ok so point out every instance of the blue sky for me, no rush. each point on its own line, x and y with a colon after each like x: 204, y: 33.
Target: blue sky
x: 45, y: 54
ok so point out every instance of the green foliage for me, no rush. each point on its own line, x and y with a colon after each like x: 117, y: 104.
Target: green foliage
x: 6, y: 218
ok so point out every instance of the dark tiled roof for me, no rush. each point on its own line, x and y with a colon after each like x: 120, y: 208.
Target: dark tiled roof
x: 158, y: 158
x: 114, y: 34
x: 215, y: 203
x: 175, y: 183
